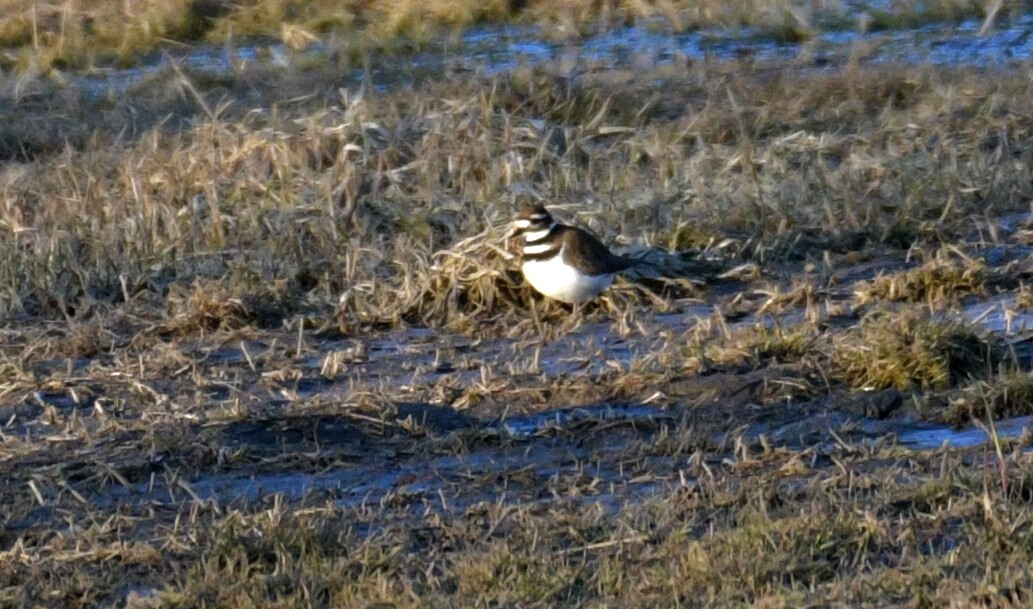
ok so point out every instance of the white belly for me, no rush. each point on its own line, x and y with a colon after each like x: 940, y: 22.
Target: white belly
x: 558, y: 281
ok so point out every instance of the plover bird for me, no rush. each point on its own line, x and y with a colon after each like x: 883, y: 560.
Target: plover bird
x: 563, y: 262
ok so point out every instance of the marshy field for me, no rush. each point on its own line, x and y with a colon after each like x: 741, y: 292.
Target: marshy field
x: 265, y: 340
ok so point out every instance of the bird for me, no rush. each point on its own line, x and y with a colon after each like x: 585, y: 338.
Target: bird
x: 564, y: 263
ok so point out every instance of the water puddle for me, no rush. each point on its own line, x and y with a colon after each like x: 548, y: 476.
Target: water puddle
x: 999, y: 315
x: 494, y: 50
x: 520, y: 471
x: 574, y: 455
x: 829, y: 430
x: 939, y: 437
x: 527, y: 426
x: 501, y: 49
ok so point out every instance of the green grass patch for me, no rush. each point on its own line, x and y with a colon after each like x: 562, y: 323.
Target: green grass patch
x: 905, y: 350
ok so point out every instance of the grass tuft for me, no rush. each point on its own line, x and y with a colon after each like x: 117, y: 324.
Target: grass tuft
x: 909, y: 350
x: 1009, y: 394
x: 942, y: 279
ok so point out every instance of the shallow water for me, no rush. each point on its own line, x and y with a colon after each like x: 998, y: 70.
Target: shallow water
x: 524, y: 427
x: 943, y: 437
x: 494, y: 50
x: 589, y: 454
x: 999, y: 315
x: 501, y: 49
x: 510, y: 473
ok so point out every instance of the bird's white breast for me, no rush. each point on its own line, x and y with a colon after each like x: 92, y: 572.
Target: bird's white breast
x: 559, y: 281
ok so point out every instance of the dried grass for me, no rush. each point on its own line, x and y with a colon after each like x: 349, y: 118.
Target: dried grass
x: 911, y: 350
x: 394, y: 208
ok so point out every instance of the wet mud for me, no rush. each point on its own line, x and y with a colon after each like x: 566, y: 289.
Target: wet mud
x: 416, y: 420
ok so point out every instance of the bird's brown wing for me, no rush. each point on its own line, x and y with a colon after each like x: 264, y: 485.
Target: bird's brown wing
x: 591, y: 255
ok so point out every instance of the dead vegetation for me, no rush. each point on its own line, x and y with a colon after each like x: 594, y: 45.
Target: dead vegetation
x: 1009, y: 394
x: 393, y: 207
x: 907, y: 350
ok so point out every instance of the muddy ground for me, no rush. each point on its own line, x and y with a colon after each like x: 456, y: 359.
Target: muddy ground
x: 112, y: 478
